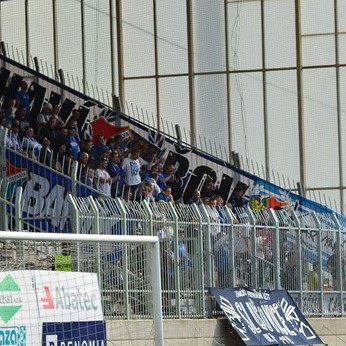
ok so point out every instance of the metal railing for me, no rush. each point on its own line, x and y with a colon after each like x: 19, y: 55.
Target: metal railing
x: 271, y: 249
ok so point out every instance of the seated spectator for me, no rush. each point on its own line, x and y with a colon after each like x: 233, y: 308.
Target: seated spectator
x: 45, y: 155
x: 73, y: 123
x: 3, y: 122
x: 86, y: 145
x: 117, y: 174
x: 12, y: 139
x: 61, y: 157
x: 22, y: 120
x: 196, y: 198
x: 8, y: 114
x: 30, y: 142
x: 84, y: 172
x: 165, y: 195
x: 103, y: 180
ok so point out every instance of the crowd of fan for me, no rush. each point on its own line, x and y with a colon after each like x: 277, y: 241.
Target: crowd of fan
x: 106, y: 165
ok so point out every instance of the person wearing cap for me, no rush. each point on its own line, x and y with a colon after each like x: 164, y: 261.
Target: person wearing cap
x: 43, y: 117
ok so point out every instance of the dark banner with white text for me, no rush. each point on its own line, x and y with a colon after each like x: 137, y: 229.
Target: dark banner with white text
x: 263, y: 317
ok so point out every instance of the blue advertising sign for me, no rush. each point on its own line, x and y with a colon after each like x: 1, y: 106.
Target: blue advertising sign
x: 74, y: 333
x: 262, y: 317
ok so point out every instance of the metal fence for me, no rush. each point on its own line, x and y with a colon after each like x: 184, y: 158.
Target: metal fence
x: 201, y: 247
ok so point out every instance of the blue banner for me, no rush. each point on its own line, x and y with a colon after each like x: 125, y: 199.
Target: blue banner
x: 262, y: 317
x: 74, y: 333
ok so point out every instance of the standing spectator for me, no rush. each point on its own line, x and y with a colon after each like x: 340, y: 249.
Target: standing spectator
x: 103, y: 180
x: 208, y: 189
x: 98, y: 150
x: 72, y: 140
x: 242, y: 248
x: 55, y: 113
x: 117, y: 174
x: 43, y: 117
x: 22, y: 97
x: 237, y: 199
x: 53, y: 133
x: 131, y: 165
x: 85, y: 145
x: 145, y: 193
x: 153, y: 180
x: 173, y: 182
x: 214, y: 218
x: 290, y: 272
x: 222, y: 254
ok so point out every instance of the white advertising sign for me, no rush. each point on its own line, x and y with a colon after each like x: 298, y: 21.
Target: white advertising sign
x: 30, y: 298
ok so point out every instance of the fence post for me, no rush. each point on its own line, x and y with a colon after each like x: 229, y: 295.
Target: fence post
x: 277, y: 252
x: 319, y: 257
x: 339, y: 263
x: 299, y: 262
x: 75, y: 223
x: 254, y: 271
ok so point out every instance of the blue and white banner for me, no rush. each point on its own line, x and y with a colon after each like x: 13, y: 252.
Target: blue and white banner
x: 74, y: 333
x: 263, y: 317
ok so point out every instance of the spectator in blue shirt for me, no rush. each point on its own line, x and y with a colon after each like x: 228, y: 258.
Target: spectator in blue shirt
x: 22, y: 97
x: 72, y: 140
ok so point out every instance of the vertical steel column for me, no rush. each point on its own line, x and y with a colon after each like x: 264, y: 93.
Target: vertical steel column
x: 191, y: 72
x: 120, y: 51
x: 228, y: 83
x: 84, y: 72
x: 157, y: 85
x: 338, y: 106
x: 300, y: 94
x: 264, y: 86
x: 112, y: 38
x: 27, y: 33
x: 55, y: 41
